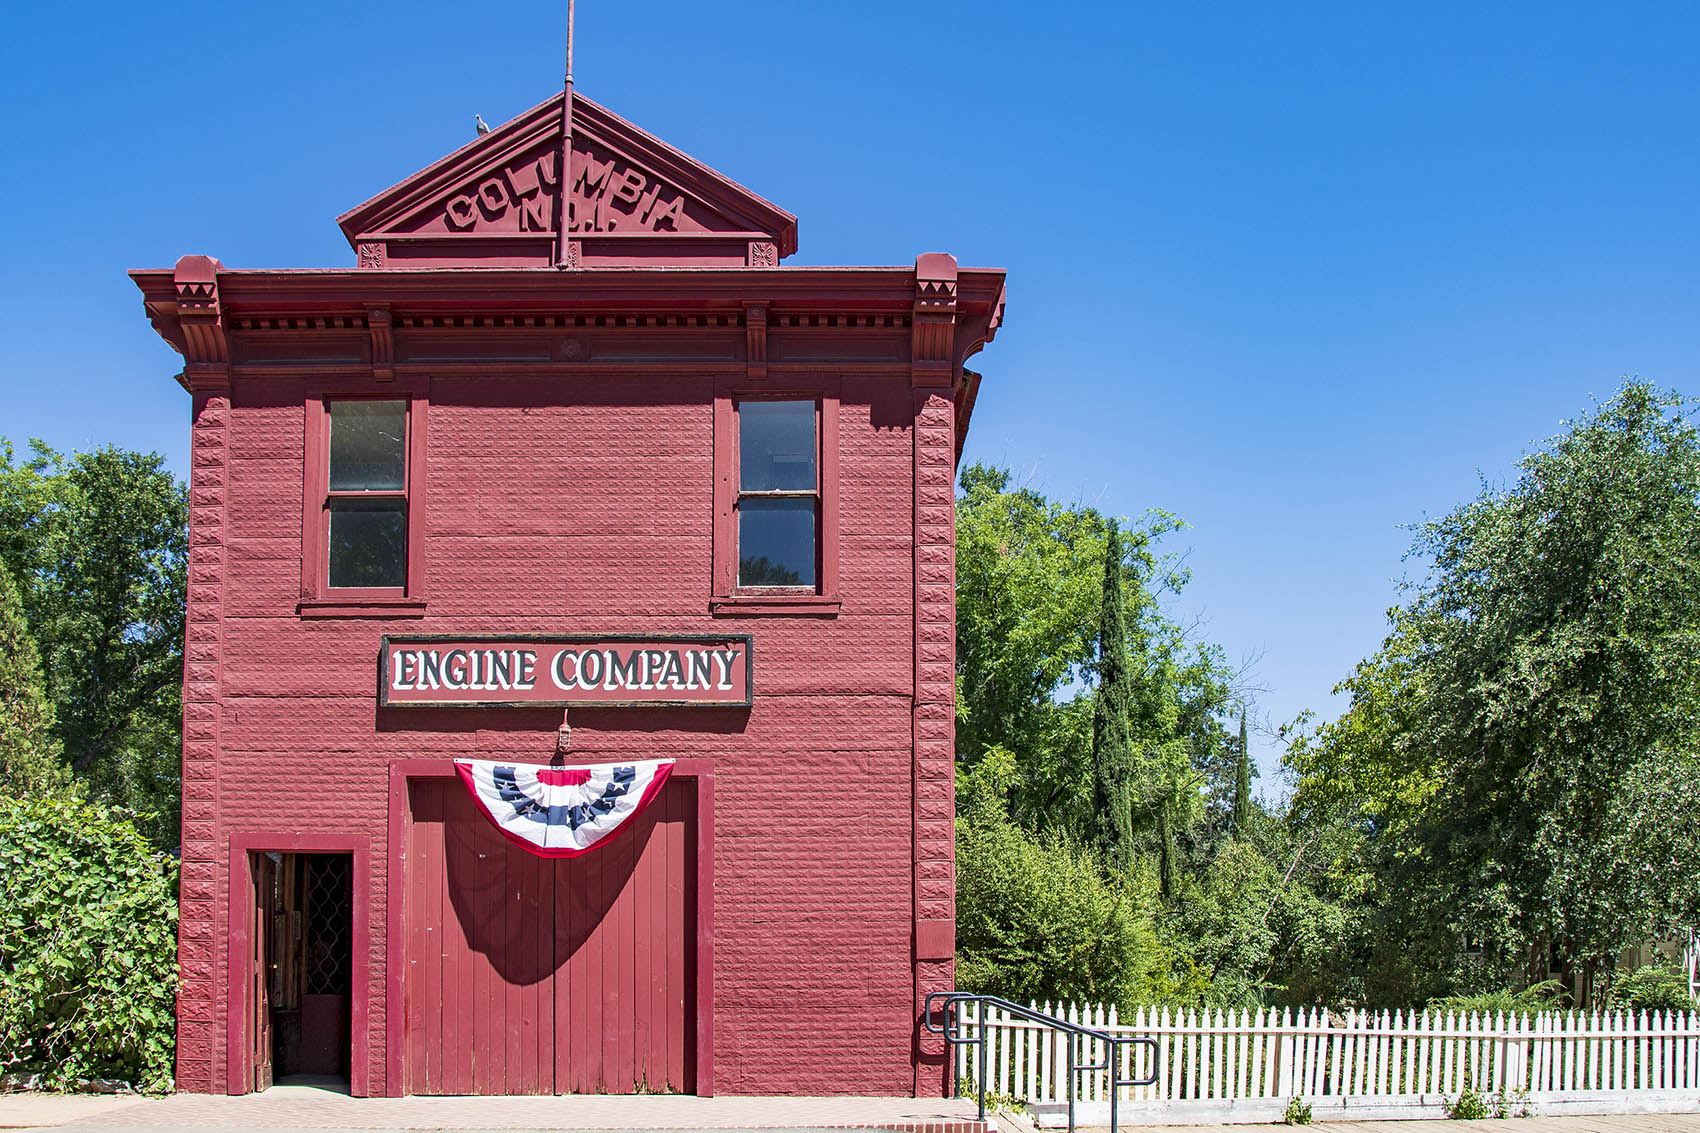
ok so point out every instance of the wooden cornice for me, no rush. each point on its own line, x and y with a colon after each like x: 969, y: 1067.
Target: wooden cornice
x: 947, y: 313
x: 345, y: 293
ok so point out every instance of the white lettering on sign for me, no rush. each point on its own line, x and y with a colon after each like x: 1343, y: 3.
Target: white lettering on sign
x: 477, y: 669
x: 440, y: 671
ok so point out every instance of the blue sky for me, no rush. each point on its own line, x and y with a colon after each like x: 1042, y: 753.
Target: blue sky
x: 1299, y: 273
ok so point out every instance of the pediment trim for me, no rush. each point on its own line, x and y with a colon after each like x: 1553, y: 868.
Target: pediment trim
x: 515, y: 166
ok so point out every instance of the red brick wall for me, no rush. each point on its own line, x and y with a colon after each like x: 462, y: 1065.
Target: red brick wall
x: 587, y: 508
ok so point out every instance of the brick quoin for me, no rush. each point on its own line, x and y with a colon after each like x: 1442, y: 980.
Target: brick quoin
x: 572, y: 472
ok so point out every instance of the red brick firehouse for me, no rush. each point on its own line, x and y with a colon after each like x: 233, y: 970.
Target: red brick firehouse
x: 568, y: 469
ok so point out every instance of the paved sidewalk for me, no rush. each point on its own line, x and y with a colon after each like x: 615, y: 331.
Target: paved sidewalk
x: 287, y: 1109
x: 309, y: 1107
x: 1618, y: 1123
x: 27, y: 1111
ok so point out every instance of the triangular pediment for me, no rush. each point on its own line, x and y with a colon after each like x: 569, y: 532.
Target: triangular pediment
x: 631, y: 200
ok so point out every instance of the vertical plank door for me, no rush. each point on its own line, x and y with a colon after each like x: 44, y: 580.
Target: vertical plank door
x: 526, y: 975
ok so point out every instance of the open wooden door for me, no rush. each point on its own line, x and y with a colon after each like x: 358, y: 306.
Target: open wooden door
x: 259, y: 970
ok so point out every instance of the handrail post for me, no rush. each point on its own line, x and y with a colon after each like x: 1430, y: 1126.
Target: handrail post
x: 1115, y: 1083
x: 980, y: 1017
x: 1072, y: 1040
x: 952, y: 1028
x: 951, y: 1023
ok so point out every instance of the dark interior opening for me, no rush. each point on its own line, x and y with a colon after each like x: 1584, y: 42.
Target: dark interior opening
x: 311, y: 959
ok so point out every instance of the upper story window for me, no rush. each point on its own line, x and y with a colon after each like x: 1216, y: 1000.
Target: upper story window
x: 778, y: 495
x: 366, y: 498
x: 776, y: 502
x: 363, y: 502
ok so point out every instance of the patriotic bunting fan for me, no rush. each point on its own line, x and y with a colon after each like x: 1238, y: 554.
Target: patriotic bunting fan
x: 561, y: 812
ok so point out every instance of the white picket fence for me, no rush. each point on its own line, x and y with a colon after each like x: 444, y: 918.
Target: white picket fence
x: 1399, y: 1059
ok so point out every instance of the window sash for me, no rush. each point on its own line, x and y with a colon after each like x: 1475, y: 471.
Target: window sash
x: 740, y: 495
x: 779, y: 526
x: 332, y: 496
x: 726, y: 594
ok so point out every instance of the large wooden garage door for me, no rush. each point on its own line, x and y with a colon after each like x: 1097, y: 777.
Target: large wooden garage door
x: 531, y: 976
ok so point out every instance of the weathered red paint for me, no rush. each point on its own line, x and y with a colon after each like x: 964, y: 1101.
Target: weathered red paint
x: 579, y: 421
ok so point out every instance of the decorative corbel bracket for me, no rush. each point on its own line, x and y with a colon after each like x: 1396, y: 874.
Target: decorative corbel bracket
x: 933, y: 325
x: 206, y: 346
x: 378, y: 325
x: 755, y: 335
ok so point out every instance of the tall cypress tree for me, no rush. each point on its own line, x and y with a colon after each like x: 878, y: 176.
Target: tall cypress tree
x: 1168, y: 853
x: 30, y: 755
x: 1112, y: 746
x: 1242, y: 783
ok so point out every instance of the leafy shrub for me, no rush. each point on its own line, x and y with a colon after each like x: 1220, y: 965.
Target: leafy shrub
x: 1036, y: 919
x: 1536, y: 997
x: 1219, y: 933
x: 1298, y: 1112
x: 88, y: 928
x: 1473, y: 1106
x: 1655, y: 987
x: 1468, y: 1106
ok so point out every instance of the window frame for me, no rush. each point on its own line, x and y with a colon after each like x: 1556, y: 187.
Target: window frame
x: 318, y: 597
x: 728, y: 595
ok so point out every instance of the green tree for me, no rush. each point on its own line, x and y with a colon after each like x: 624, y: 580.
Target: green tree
x: 1222, y: 926
x: 1112, y: 750
x: 1036, y: 917
x: 1168, y: 850
x: 30, y: 759
x: 1027, y: 589
x: 98, y: 546
x: 1240, y: 817
x: 1030, y: 594
x: 1523, y: 749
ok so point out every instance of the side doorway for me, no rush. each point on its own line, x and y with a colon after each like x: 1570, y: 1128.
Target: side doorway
x: 263, y: 871
x: 302, y: 956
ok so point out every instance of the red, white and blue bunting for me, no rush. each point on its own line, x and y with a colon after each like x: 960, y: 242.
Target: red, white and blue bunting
x: 562, y: 812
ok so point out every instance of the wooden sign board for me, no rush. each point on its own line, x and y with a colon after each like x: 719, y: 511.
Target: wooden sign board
x: 613, y: 670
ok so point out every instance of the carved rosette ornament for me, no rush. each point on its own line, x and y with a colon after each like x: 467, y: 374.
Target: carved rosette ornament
x: 764, y: 254
x: 371, y: 255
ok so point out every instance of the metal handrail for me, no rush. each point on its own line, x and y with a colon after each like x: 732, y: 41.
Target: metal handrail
x: 949, y: 1026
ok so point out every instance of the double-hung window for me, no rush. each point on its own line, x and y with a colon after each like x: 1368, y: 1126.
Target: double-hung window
x: 364, y: 490
x: 778, y: 505
x: 366, y: 496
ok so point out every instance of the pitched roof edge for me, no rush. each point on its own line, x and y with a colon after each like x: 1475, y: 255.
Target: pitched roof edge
x: 528, y: 128
x: 399, y: 197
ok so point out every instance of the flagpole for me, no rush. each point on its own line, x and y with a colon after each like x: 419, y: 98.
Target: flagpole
x: 566, y: 167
